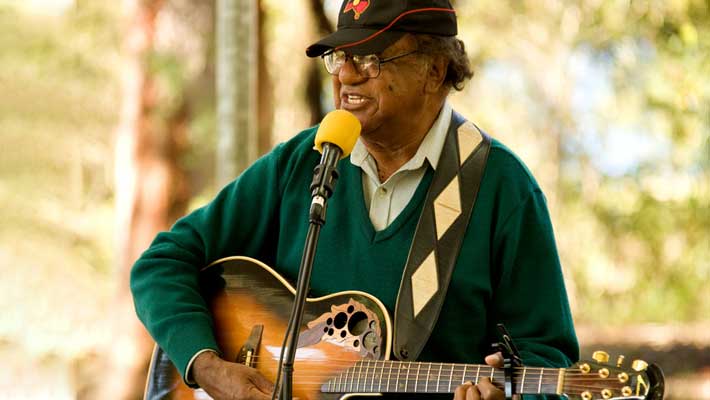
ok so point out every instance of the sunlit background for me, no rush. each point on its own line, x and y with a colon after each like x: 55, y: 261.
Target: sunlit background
x: 607, y: 101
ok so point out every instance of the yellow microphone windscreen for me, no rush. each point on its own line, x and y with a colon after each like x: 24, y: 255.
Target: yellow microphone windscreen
x: 340, y: 128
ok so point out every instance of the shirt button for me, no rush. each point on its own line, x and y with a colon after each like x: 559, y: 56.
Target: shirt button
x: 383, y: 190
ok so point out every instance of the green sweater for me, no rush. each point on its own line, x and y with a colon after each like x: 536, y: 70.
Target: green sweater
x: 508, y: 269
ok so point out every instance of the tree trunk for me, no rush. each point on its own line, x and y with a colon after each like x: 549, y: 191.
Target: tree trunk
x: 237, y: 85
x: 265, y: 90
x: 151, y: 191
x: 314, y: 81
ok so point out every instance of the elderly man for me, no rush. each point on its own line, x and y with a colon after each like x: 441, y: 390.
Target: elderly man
x: 393, y: 64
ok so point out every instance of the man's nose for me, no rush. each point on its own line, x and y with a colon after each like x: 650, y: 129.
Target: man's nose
x: 349, y: 74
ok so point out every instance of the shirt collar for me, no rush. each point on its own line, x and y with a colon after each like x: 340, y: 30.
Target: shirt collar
x: 430, y: 149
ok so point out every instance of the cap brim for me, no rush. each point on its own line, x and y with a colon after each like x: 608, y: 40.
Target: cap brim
x: 358, y: 41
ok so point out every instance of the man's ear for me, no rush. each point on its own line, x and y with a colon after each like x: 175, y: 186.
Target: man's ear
x: 436, y: 74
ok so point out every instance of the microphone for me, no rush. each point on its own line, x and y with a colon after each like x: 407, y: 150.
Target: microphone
x: 335, y: 139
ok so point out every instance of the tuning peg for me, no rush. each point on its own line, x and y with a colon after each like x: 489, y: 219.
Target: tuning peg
x: 639, y: 365
x: 600, y: 356
x: 623, y: 377
x: 619, y: 361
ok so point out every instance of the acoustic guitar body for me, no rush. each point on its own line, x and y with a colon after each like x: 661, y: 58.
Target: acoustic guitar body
x: 243, y: 294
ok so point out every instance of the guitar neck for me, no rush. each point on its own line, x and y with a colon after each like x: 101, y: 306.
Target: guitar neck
x: 372, y: 376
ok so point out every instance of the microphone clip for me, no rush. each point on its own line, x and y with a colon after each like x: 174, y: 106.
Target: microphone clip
x: 325, y: 175
x: 324, y: 178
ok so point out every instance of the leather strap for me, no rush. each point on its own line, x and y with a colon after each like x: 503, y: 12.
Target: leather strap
x: 439, y: 235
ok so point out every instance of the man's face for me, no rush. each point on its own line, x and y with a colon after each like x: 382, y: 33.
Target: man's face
x: 390, y: 102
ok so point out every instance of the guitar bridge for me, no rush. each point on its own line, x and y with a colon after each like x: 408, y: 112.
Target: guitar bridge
x: 247, y: 354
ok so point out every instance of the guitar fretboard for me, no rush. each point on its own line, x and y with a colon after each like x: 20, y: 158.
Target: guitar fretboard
x: 374, y: 376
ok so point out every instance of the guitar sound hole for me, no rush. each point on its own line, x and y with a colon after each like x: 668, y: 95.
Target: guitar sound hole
x: 358, y: 323
x: 340, y: 320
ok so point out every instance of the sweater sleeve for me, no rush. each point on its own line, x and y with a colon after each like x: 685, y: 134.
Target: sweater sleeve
x: 165, y: 279
x: 530, y: 298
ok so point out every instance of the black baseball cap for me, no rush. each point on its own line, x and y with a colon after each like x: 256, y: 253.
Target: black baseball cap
x: 370, y: 26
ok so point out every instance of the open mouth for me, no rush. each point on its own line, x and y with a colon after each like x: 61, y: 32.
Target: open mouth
x: 352, y: 101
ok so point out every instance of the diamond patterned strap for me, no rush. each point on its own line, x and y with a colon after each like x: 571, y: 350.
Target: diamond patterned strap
x: 438, y: 237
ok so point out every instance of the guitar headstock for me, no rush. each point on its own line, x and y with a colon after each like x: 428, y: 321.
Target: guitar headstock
x: 600, y: 379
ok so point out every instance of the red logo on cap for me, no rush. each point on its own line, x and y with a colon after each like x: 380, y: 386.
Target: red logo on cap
x: 357, y: 6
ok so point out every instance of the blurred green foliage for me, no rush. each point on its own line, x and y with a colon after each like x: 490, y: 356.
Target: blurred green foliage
x: 618, y: 96
x: 59, y: 103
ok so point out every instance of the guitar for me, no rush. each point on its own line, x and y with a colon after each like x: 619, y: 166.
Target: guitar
x: 345, y: 342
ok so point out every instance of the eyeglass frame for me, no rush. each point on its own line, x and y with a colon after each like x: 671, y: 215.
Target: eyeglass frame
x: 358, y: 66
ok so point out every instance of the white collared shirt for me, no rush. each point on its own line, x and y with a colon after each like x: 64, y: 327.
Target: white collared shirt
x: 386, y: 200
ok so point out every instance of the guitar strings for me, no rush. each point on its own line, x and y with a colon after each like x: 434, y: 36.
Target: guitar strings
x: 423, y: 387
x: 382, y: 374
x: 352, y: 385
x: 405, y: 366
x: 547, y: 380
x: 537, y: 376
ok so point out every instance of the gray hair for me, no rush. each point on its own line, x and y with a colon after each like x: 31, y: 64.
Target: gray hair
x: 454, y: 51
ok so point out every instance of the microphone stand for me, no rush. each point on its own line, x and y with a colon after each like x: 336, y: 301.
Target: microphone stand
x: 324, y: 177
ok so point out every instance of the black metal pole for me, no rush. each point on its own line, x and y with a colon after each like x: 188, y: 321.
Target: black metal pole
x: 324, y: 177
x: 304, y: 278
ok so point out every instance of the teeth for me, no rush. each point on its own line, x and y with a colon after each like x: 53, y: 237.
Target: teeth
x: 355, y: 99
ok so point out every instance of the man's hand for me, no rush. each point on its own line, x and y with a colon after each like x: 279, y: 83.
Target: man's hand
x: 485, y: 389
x: 229, y: 381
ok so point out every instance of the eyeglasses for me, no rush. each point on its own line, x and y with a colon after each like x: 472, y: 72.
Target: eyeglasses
x: 367, y: 66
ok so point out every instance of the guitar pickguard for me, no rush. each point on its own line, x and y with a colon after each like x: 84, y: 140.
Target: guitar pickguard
x: 351, y: 325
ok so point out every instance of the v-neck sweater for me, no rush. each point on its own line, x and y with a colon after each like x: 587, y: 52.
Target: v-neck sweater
x: 507, y: 271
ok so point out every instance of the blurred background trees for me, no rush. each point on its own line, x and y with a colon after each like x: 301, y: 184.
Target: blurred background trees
x: 108, y: 133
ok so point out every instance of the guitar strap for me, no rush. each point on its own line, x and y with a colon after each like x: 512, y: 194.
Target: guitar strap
x: 439, y: 235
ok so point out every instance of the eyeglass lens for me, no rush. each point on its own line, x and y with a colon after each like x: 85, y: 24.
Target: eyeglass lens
x: 367, y: 66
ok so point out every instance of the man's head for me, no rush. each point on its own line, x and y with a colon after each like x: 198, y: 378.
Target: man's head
x: 393, y: 61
